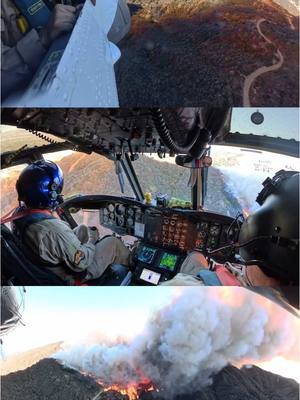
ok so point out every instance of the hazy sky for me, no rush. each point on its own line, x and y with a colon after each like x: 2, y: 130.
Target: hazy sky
x: 59, y: 313
x: 283, y: 122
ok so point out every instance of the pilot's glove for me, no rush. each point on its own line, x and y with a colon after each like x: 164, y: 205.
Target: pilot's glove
x: 93, y: 234
x: 62, y: 20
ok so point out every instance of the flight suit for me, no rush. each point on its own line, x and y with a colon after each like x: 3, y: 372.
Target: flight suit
x: 55, y: 242
x: 22, y: 53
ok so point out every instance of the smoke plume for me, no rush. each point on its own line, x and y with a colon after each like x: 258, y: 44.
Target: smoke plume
x: 194, y: 337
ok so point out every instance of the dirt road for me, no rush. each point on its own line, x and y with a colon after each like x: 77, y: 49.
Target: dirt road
x: 262, y: 70
x: 174, y: 56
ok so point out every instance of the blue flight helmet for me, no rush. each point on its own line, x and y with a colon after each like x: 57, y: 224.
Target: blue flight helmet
x: 40, y: 185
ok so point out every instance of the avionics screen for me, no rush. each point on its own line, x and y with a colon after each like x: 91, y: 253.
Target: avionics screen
x: 150, y: 276
x: 168, y: 261
x: 146, y: 254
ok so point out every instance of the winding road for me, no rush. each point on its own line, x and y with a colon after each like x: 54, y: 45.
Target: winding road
x: 249, y: 80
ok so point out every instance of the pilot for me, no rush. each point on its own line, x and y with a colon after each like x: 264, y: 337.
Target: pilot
x: 268, y: 243
x: 28, y: 28
x: 72, y: 254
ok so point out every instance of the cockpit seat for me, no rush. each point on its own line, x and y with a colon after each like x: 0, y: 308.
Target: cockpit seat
x: 19, y: 268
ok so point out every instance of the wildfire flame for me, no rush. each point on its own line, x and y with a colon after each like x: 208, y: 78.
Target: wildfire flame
x: 246, y: 212
x: 132, y: 390
x: 258, y: 331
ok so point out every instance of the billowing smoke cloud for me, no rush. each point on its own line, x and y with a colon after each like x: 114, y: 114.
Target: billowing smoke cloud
x: 191, y: 339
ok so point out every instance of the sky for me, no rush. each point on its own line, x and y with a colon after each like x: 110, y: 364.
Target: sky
x: 282, y: 122
x: 69, y: 313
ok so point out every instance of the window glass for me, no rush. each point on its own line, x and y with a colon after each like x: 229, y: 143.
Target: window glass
x: 88, y: 174
x: 236, y: 177
x: 8, y: 196
x: 163, y: 176
x: 278, y: 122
x: 13, y: 138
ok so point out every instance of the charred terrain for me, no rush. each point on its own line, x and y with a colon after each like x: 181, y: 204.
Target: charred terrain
x: 210, y: 52
x: 48, y: 379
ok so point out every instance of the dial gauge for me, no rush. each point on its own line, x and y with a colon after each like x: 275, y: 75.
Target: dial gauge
x: 120, y: 209
x: 130, y: 221
x: 111, y: 208
x: 130, y: 212
x: 214, y: 230
x: 120, y: 220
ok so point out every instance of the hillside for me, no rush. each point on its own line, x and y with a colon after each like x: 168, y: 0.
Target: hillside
x: 201, y: 52
x: 19, y: 362
x: 48, y: 380
x: 94, y: 174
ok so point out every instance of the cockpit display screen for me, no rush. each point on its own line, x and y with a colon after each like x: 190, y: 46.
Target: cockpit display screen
x: 168, y: 261
x: 146, y: 254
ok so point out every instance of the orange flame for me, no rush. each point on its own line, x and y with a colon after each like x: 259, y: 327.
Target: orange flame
x: 133, y: 390
x: 246, y: 212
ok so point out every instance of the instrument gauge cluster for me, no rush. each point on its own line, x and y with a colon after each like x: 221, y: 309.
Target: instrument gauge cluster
x: 176, y: 230
x: 111, y: 208
x: 210, y: 235
x: 119, y: 217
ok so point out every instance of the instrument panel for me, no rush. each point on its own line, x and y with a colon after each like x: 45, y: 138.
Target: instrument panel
x: 165, y: 235
x: 119, y: 217
x: 154, y: 265
x: 188, y: 231
x: 177, y: 230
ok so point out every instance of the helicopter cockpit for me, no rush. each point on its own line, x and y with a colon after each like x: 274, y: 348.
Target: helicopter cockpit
x: 161, y: 227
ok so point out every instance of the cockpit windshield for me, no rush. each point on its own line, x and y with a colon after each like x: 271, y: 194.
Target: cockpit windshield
x: 230, y: 185
x: 13, y: 139
x: 275, y: 122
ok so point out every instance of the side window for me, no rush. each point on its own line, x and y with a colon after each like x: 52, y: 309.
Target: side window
x: 88, y: 174
x: 8, y: 196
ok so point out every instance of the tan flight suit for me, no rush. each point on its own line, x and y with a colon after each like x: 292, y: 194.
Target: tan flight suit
x: 55, y: 242
x: 21, y: 54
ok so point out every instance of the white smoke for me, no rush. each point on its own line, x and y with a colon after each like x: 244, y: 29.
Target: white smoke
x: 187, y: 342
x: 291, y: 5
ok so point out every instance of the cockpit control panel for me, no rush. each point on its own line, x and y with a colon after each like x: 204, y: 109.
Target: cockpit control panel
x: 166, y: 236
x: 155, y: 265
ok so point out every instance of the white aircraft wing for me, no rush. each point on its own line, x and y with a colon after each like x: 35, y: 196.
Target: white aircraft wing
x: 84, y: 75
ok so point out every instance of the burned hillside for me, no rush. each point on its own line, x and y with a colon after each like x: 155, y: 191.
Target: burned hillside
x: 201, y: 52
x: 49, y: 380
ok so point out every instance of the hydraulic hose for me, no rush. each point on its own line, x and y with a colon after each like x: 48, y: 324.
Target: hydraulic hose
x: 166, y: 135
